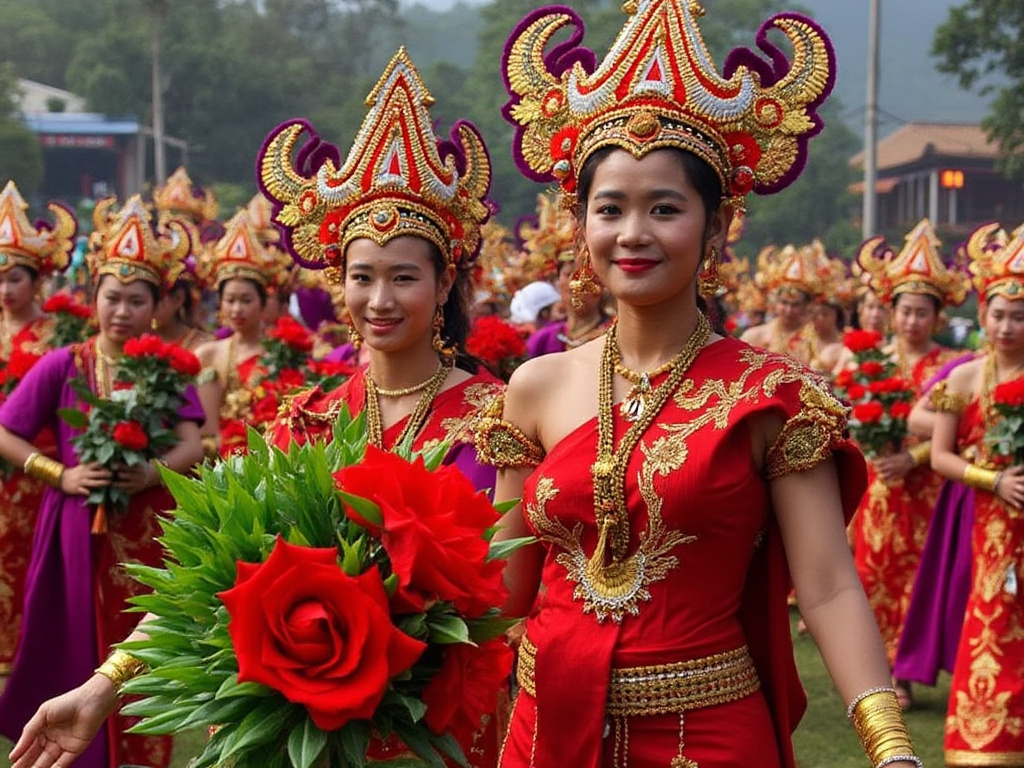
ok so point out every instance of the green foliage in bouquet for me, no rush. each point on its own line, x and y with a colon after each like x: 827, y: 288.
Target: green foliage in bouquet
x: 281, y: 515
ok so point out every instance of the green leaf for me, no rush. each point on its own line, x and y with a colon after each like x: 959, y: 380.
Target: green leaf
x: 503, y: 507
x: 306, y: 743
x: 75, y: 419
x: 448, y: 629
x: 500, y: 550
x: 261, y: 726
x: 364, y: 507
x: 355, y: 739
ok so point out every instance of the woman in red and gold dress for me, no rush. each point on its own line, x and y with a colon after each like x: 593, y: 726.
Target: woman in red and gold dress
x: 244, y: 270
x: 986, y: 701
x: 670, y: 452
x: 28, y: 254
x: 892, y: 521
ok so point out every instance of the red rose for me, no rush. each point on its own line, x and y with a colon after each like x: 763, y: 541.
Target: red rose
x: 233, y: 437
x: 289, y: 379
x: 466, y: 688
x: 147, y: 345
x: 871, y: 368
x: 184, y: 361
x: 433, y: 526
x: 1009, y: 393
x: 855, y: 392
x: 327, y: 368
x: 900, y: 410
x: 20, y: 362
x: 265, y: 409
x: 131, y: 435
x: 861, y: 341
x: 870, y: 412
x: 289, y: 331
x: 844, y: 378
x: 493, y: 340
x: 322, y: 638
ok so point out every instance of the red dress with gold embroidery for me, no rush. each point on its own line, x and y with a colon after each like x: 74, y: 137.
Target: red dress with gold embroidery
x: 890, y: 527
x: 985, y: 719
x: 239, y: 408
x: 20, y: 496
x: 705, y: 583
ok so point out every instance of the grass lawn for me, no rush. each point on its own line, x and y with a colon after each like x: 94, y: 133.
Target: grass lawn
x: 823, y: 740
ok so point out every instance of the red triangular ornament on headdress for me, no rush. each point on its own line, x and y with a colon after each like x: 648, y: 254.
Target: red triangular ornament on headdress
x: 129, y: 245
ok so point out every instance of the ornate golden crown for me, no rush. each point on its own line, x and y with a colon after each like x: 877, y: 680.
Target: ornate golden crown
x: 549, y: 237
x: 997, y: 261
x: 658, y: 87
x: 125, y: 244
x: 180, y: 195
x: 918, y: 268
x: 241, y: 253
x: 398, y: 178
x: 787, y: 269
x: 42, y: 247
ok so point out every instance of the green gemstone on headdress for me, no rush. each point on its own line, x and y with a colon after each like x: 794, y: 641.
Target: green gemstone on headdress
x: 125, y: 270
x: 3, y: 258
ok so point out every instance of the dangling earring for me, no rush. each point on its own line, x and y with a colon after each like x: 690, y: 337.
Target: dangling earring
x: 710, y: 283
x: 182, y: 317
x: 153, y: 326
x: 584, y: 280
x: 353, y: 335
x: 438, y: 342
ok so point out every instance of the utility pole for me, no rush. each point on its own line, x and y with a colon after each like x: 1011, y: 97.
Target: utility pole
x: 869, y: 218
x: 159, y: 8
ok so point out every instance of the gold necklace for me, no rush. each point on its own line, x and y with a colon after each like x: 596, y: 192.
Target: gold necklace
x: 106, y: 368
x: 408, y: 390
x: 609, y: 471
x: 571, y: 340
x: 418, y: 417
x: 632, y: 408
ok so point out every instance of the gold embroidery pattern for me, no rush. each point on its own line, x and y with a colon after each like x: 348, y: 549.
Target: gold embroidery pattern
x: 944, y: 401
x: 807, y: 438
x: 501, y: 443
x: 479, y: 397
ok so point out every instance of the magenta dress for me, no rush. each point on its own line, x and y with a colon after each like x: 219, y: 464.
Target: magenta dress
x: 545, y: 340
x: 73, y: 576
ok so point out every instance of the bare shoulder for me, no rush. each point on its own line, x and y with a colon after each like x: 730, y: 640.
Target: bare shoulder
x: 964, y: 378
x: 756, y: 335
x: 211, y: 352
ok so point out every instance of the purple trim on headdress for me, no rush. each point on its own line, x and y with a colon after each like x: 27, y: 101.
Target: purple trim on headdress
x: 452, y: 146
x: 557, y: 61
x: 211, y: 231
x: 771, y: 73
x: 533, y: 219
x: 49, y: 226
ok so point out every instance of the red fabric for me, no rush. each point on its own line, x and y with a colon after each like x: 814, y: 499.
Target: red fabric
x: 726, y: 588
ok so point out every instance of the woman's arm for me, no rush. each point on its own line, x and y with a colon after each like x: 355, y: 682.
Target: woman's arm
x: 185, y: 454
x: 76, y: 481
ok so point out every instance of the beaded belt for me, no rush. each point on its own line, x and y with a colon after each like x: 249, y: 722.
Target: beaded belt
x: 664, y: 688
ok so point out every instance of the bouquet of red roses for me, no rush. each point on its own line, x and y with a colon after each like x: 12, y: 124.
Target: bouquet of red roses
x: 881, y: 399
x: 1005, y: 434
x: 134, y: 424
x: 497, y: 344
x: 72, y: 319
x: 316, y: 600
x: 13, y: 370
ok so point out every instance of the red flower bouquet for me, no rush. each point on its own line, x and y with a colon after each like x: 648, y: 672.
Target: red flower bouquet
x: 1005, y: 433
x: 881, y: 400
x: 135, y: 423
x: 72, y: 319
x: 497, y: 344
x: 317, y: 601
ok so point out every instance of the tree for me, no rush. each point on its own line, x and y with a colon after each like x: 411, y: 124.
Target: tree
x: 21, y: 158
x: 982, y: 43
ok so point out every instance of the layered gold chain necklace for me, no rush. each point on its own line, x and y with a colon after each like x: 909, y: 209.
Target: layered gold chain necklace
x: 429, y: 387
x: 609, y: 471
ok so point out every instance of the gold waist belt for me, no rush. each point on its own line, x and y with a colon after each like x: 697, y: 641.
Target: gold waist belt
x: 664, y: 688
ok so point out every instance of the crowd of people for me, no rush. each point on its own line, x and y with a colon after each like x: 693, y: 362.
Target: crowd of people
x: 682, y: 431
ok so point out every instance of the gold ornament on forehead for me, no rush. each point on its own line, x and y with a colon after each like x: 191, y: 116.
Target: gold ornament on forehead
x: 997, y: 261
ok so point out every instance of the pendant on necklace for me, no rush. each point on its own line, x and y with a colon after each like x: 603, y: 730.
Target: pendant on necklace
x: 632, y: 407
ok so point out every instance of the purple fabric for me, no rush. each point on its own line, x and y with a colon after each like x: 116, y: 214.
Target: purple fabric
x: 315, y: 306
x: 545, y: 341
x: 346, y: 353
x: 482, y: 476
x: 945, y: 370
x: 935, y: 617
x: 57, y: 650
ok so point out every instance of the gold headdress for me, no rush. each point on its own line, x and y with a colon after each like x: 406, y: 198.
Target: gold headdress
x: 124, y: 244
x: 499, y: 271
x: 41, y: 248
x: 398, y: 178
x: 917, y: 269
x: 791, y: 269
x: 838, y: 286
x: 658, y: 87
x: 241, y: 254
x: 733, y: 269
x: 997, y: 261
x: 549, y: 238
x: 180, y: 195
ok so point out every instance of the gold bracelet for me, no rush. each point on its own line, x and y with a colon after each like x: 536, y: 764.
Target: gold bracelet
x: 211, y: 446
x: 983, y: 479
x: 879, y: 723
x: 921, y: 453
x: 40, y: 467
x: 121, y: 667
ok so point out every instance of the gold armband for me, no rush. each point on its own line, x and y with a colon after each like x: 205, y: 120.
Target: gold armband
x: 944, y: 401
x: 121, y: 667
x: 211, y: 446
x: 502, y: 444
x: 983, y: 479
x: 206, y: 375
x: 878, y: 720
x: 44, y: 468
x: 921, y: 453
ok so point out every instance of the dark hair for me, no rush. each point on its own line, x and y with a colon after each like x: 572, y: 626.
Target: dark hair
x: 188, y: 305
x: 457, y: 322
x: 153, y: 290
x: 260, y: 288
x: 935, y: 301
x: 701, y: 176
x: 33, y: 273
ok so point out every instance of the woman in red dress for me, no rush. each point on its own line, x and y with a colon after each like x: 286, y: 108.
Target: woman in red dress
x: 891, y: 523
x: 28, y: 254
x: 986, y: 700
x: 676, y: 463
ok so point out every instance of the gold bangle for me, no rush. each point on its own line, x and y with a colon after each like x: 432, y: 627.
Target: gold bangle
x: 921, y: 453
x: 976, y: 477
x: 879, y: 723
x: 121, y: 667
x: 40, y: 467
x: 211, y: 446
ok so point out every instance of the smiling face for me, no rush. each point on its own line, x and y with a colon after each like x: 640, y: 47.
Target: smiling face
x: 124, y: 311
x: 392, y: 292
x: 17, y: 290
x: 647, y: 227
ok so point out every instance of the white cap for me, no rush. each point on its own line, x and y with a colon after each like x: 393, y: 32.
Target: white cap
x: 530, y: 300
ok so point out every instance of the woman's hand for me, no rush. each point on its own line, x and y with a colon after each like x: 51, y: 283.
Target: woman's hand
x: 85, y: 478
x: 1011, y: 487
x: 893, y: 468
x: 138, y: 478
x: 63, y: 727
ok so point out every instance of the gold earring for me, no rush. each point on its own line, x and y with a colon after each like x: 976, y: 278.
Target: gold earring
x: 709, y: 280
x: 353, y: 335
x: 438, y: 341
x: 153, y: 326
x: 584, y: 280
